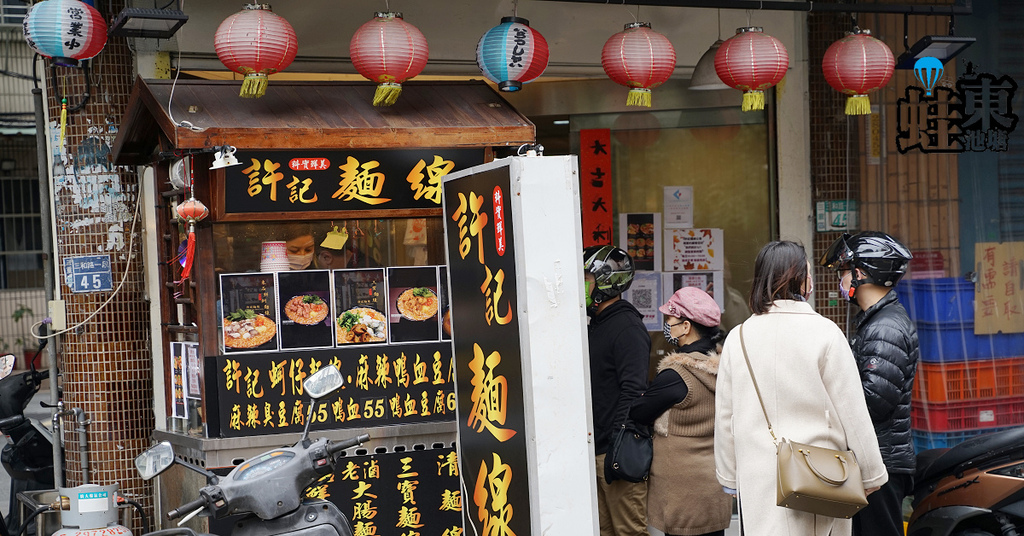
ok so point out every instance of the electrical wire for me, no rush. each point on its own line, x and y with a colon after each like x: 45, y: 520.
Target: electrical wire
x: 131, y: 246
x: 170, y: 98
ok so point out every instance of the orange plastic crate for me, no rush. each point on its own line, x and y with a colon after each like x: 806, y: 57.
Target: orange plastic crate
x: 969, y: 380
x: 953, y: 416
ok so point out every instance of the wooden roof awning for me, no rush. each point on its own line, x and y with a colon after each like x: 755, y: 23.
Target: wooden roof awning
x: 314, y: 115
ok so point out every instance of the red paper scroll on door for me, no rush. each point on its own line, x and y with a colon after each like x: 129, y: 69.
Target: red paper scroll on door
x: 596, y: 186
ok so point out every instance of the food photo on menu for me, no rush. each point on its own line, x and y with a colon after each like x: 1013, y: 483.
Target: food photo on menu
x: 359, y: 301
x: 414, y: 305
x: 249, y: 320
x: 305, y: 308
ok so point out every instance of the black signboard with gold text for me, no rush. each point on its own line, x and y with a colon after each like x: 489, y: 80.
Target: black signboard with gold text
x: 262, y: 393
x: 488, y: 352
x: 331, y: 180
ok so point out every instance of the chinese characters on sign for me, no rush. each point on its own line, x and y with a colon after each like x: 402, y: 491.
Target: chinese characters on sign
x: 262, y: 393
x: 999, y: 290
x: 977, y: 116
x: 596, y: 186
x: 299, y: 181
x: 488, y: 351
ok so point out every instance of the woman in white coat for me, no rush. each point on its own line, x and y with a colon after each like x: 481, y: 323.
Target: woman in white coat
x: 811, y: 390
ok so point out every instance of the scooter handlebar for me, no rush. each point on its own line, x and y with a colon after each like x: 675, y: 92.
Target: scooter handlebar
x: 334, y: 448
x: 11, y: 422
x: 186, y: 508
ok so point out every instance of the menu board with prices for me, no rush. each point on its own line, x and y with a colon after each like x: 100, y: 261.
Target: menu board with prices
x: 262, y: 393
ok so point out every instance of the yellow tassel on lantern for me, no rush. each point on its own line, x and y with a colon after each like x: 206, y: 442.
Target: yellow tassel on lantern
x: 254, y: 86
x: 858, y: 105
x: 639, y: 96
x: 387, y: 94
x: 753, y: 100
x: 63, y: 119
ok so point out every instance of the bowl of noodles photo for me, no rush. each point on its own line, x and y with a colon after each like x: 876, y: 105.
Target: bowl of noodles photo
x: 307, y: 310
x: 361, y: 324
x: 246, y: 329
x: 417, y: 303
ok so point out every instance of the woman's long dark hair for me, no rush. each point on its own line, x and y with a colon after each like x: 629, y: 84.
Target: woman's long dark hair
x: 780, y: 272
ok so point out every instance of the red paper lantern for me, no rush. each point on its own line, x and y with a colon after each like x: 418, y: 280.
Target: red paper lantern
x: 640, y: 59
x: 389, y: 51
x: 255, y: 42
x: 191, y: 211
x: 857, y: 65
x: 751, y: 61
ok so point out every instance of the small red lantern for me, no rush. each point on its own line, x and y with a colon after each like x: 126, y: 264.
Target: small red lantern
x: 389, y: 51
x: 857, y: 65
x: 640, y: 59
x: 255, y: 42
x: 751, y: 61
x: 191, y: 211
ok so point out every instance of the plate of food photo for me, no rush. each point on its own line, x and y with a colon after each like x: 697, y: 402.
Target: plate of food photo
x: 361, y: 324
x: 306, y: 309
x: 246, y: 329
x: 417, y: 303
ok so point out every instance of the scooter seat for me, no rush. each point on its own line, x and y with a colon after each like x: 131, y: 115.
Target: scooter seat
x: 976, y: 449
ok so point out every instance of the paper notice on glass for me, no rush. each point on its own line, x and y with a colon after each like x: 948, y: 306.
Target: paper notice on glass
x: 640, y: 236
x: 645, y: 295
x: 694, y: 249
x: 710, y: 282
x: 678, y: 208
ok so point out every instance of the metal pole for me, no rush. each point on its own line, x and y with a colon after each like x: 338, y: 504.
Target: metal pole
x: 42, y: 162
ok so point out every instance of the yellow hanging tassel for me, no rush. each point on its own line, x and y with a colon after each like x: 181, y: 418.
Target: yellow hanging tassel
x: 387, y: 94
x: 63, y: 120
x: 858, y: 105
x: 639, y: 96
x: 254, y: 86
x: 753, y: 100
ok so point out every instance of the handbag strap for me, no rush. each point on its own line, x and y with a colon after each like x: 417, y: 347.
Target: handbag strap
x: 757, y: 390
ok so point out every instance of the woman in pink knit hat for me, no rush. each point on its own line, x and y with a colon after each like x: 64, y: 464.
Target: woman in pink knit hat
x: 684, y: 497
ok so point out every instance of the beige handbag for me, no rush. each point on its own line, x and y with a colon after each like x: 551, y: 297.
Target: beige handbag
x: 818, y: 480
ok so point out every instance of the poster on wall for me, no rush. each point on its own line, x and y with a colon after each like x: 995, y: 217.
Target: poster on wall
x: 644, y: 294
x: 678, y: 207
x: 305, y: 309
x: 710, y: 282
x: 249, y: 312
x: 192, y: 367
x: 694, y: 250
x: 639, y: 235
x: 179, y: 408
x: 999, y: 291
x: 359, y: 299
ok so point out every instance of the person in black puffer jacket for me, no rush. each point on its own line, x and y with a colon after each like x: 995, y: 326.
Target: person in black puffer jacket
x: 620, y: 350
x: 885, y: 346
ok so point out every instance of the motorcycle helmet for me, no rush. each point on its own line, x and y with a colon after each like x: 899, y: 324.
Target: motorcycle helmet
x: 612, y: 269
x: 881, y: 258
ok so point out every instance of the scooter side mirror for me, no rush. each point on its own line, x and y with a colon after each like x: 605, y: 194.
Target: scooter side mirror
x: 155, y: 460
x: 326, y: 381
x: 7, y: 365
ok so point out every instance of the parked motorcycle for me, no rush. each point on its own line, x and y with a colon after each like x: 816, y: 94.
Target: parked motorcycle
x: 973, y: 489
x: 28, y: 454
x: 267, y: 488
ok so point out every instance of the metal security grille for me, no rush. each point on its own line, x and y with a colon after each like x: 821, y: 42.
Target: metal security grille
x: 106, y: 362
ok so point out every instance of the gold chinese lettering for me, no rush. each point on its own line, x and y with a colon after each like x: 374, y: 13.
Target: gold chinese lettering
x: 297, y: 193
x: 491, y: 301
x: 435, y: 172
x: 252, y: 381
x: 359, y: 183
x: 476, y: 225
x: 496, y: 514
x: 490, y: 395
x: 233, y: 373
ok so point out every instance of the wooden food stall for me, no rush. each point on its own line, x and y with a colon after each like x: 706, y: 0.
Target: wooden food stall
x: 324, y: 246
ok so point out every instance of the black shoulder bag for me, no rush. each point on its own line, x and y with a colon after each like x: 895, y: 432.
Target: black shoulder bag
x: 631, y: 453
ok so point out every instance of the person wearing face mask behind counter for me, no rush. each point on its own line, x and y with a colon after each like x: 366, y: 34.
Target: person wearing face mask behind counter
x: 299, y: 246
x: 683, y: 496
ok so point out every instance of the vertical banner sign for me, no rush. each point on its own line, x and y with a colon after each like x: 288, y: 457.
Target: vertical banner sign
x: 488, y: 352
x: 999, y: 292
x: 596, y: 186
x: 179, y: 408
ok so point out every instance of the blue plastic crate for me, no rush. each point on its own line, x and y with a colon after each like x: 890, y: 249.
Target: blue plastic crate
x: 951, y: 341
x: 946, y: 299
x: 937, y: 440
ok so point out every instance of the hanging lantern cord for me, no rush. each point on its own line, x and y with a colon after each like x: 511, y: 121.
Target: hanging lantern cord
x: 58, y: 92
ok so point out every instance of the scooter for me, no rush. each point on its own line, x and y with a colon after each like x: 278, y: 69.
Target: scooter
x: 267, y: 488
x: 975, y: 488
x: 28, y: 454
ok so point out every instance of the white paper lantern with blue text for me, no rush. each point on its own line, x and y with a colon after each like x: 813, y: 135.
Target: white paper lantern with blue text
x: 512, y: 54
x: 65, y: 30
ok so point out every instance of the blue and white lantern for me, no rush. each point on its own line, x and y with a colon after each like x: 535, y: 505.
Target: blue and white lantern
x: 65, y: 30
x: 512, y: 54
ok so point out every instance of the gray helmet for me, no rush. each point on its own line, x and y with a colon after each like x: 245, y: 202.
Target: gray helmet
x: 882, y: 258
x: 612, y: 269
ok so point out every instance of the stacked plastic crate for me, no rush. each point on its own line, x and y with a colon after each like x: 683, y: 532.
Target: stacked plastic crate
x: 966, y: 384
